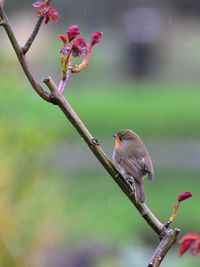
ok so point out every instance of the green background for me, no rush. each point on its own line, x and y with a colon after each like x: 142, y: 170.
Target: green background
x: 58, y: 206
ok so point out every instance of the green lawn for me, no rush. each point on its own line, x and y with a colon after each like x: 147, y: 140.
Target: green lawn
x: 87, y: 204
x: 154, y: 111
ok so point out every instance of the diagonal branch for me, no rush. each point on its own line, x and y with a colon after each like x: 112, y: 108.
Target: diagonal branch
x: 168, y: 235
x: 22, y: 59
x: 168, y: 238
x: 34, y: 33
x: 95, y: 147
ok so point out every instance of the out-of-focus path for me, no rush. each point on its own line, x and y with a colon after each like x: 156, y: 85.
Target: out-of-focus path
x: 184, y: 154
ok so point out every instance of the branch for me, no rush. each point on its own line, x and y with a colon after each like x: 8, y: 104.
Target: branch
x: 168, y: 238
x: 168, y: 235
x: 63, y: 84
x: 22, y: 59
x: 30, y: 40
x: 95, y: 147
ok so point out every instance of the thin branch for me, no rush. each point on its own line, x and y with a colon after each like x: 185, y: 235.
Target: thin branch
x: 63, y: 84
x: 168, y: 238
x: 34, y: 33
x: 22, y: 59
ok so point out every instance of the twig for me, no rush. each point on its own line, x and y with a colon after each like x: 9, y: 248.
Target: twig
x: 63, y: 84
x: 22, y: 59
x: 34, y: 33
x: 168, y: 238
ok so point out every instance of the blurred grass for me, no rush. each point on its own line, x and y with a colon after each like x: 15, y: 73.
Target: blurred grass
x: 113, y: 212
x: 155, y: 111
x: 36, y: 201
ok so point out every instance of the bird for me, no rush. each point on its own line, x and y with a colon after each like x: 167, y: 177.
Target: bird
x: 132, y: 160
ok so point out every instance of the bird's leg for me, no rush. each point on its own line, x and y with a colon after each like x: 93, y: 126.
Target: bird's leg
x: 130, y: 181
x: 128, y: 178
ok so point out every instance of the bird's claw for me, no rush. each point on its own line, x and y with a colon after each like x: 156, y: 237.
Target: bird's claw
x: 117, y: 175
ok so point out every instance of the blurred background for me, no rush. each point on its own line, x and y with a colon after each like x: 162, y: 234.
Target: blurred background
x: 58, y: 206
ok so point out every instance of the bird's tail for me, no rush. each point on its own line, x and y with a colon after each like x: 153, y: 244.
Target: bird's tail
x: 139, y: 192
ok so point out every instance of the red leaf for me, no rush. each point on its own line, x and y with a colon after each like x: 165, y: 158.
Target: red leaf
x: 195, y: 248
x: 63, y: 38
x: 190, y: 241
x: 51, y: 13
x: 43, y: 9
x: 192, y: 236
x: 185, y: 246
x: 183, y: 196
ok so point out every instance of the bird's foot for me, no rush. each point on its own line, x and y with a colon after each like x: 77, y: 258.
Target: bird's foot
x: 133, y: 191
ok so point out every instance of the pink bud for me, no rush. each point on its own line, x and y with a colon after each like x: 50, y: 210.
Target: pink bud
x: 43, y: 9
x: 96, y: 38
x: 73, y: 32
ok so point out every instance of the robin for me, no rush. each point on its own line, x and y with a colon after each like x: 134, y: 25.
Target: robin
x: 132, y: 161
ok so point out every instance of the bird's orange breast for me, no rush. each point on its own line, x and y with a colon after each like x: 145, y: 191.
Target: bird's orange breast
x: 117, y: 142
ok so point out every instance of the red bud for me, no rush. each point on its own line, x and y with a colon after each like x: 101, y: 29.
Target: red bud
x: 73, y: 32
x: 96, y: 38
x: 183, y: 196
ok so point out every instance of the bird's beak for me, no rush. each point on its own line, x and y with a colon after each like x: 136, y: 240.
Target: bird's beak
x: 114, y: 135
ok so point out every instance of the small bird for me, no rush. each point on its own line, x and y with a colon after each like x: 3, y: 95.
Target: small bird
x: 131, y: 159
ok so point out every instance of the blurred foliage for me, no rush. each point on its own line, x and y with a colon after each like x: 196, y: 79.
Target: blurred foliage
x: 55, y: 218
x: 153, y: 110
x: 44, y: 209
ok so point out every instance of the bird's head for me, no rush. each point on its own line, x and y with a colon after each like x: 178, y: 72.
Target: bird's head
x: 125, y: 135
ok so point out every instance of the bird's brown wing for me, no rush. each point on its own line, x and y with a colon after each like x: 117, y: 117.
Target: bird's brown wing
x: 138, y: 168
x: 133, y: 167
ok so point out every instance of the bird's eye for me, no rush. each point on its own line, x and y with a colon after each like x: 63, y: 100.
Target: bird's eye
x: 120, y: 138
